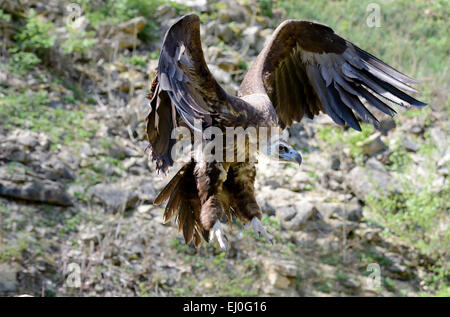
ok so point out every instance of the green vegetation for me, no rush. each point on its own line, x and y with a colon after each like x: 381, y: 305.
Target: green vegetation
x: 32, y: 111
x: 334, y: 137
x: 77, y: 41
x: 415, y: 214
x: 266, y: 7
x: 22, y: 62
x: 112, y: 12
x: 135, y: 60
x: 36, y: 35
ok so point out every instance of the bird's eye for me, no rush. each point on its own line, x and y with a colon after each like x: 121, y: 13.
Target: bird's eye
x: 283, y: 149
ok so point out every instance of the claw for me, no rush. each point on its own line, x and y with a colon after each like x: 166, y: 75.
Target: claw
x: 260, y: 230
x: 218, y: 233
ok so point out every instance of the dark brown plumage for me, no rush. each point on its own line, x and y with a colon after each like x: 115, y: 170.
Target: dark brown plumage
x: 304, y: 69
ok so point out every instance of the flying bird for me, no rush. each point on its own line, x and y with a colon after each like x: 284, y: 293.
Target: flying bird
x: 304, y: 69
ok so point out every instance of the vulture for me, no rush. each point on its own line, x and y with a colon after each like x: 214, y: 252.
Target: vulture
x: 304, y: 69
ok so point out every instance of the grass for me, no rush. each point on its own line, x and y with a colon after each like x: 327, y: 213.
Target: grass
x: 419, y: 214
x: 113, y: 12
x: 30, y: 110
x: 334, y: 137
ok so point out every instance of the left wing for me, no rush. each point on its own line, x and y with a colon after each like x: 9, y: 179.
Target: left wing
x: 307, y: 68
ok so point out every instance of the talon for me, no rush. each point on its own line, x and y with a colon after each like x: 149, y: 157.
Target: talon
x: 218, y: 233
x: 259, y: 228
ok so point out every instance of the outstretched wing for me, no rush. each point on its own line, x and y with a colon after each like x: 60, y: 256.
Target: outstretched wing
x: 307, y: 68
x: 183, y: 73
x: 184, y: 90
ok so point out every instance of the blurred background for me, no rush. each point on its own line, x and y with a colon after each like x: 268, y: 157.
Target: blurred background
x: 366, y: 214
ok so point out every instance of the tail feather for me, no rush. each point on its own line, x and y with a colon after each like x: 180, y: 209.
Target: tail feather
x: 170, y: 187
x: 173, y: 204
x: 184, y: 203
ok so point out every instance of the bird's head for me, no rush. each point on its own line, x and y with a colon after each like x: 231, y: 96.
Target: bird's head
x: 279, y: 149
x: 287, y: 153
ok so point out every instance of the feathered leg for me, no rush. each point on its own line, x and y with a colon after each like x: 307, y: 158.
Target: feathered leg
x: 240, y: 183
x: 210, y: 177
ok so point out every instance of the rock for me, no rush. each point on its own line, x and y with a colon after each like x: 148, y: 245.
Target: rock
x: 444, y: 160
x: 89, y: 236
x: 372, y: 179
x: 114, y: 197
x: 263, y: 38
x: 228, y: 60
x: 125, y: 40
x: 372, y: 144
x: 165, y: 12
x: 369, y: 234
x: 13, y: 152
x: 351, y: 283
x: 219, y: 74
x: 233, y: 13
x: 45, y: 191
x: 251, y: 35
x: 55, y: 169
x: 386, y: 125
x: 400, y: 271
x: 414, y: 125
x: 199, y: 5
x: 277, y: 280
x: 355, y: 213
x: 439, y: 138
x: 27, y: 139
x: 397, y: 268
x: 221, y: 31
x: 144, y: 209
x: 85, y: 150
x: 146, y: 190
x: 280, y: 273
x: 335, y: 162
x: 300, y: 181
x: 410, y: 145
x: 131, y: 78
x: 295, y: 217
x: 286, y: 213
x: 133, y: 26
x: 8, y: 277
x: 264, y: 205
x: 328, y: 210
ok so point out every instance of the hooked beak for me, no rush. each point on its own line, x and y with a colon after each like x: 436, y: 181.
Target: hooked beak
x: 292, y: 156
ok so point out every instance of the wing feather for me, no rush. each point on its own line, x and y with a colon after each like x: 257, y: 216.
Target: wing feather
x: 184, y: 74
x: 306, y: 68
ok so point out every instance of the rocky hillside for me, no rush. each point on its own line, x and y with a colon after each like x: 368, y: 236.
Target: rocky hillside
x: 366, y: 214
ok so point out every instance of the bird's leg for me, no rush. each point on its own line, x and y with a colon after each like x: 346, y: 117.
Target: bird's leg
x: 209, y: 178
x: 259, y: 229
x: 217, y: 232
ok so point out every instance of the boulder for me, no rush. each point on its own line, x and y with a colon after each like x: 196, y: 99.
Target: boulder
x: 8, y: 277
x: 114, y: 196
x: 294, y: 217
x: 372, y: 144
x: 281, y: 274
x: 133, y: 26
x: 39, y: 191
x: 372, y: 179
